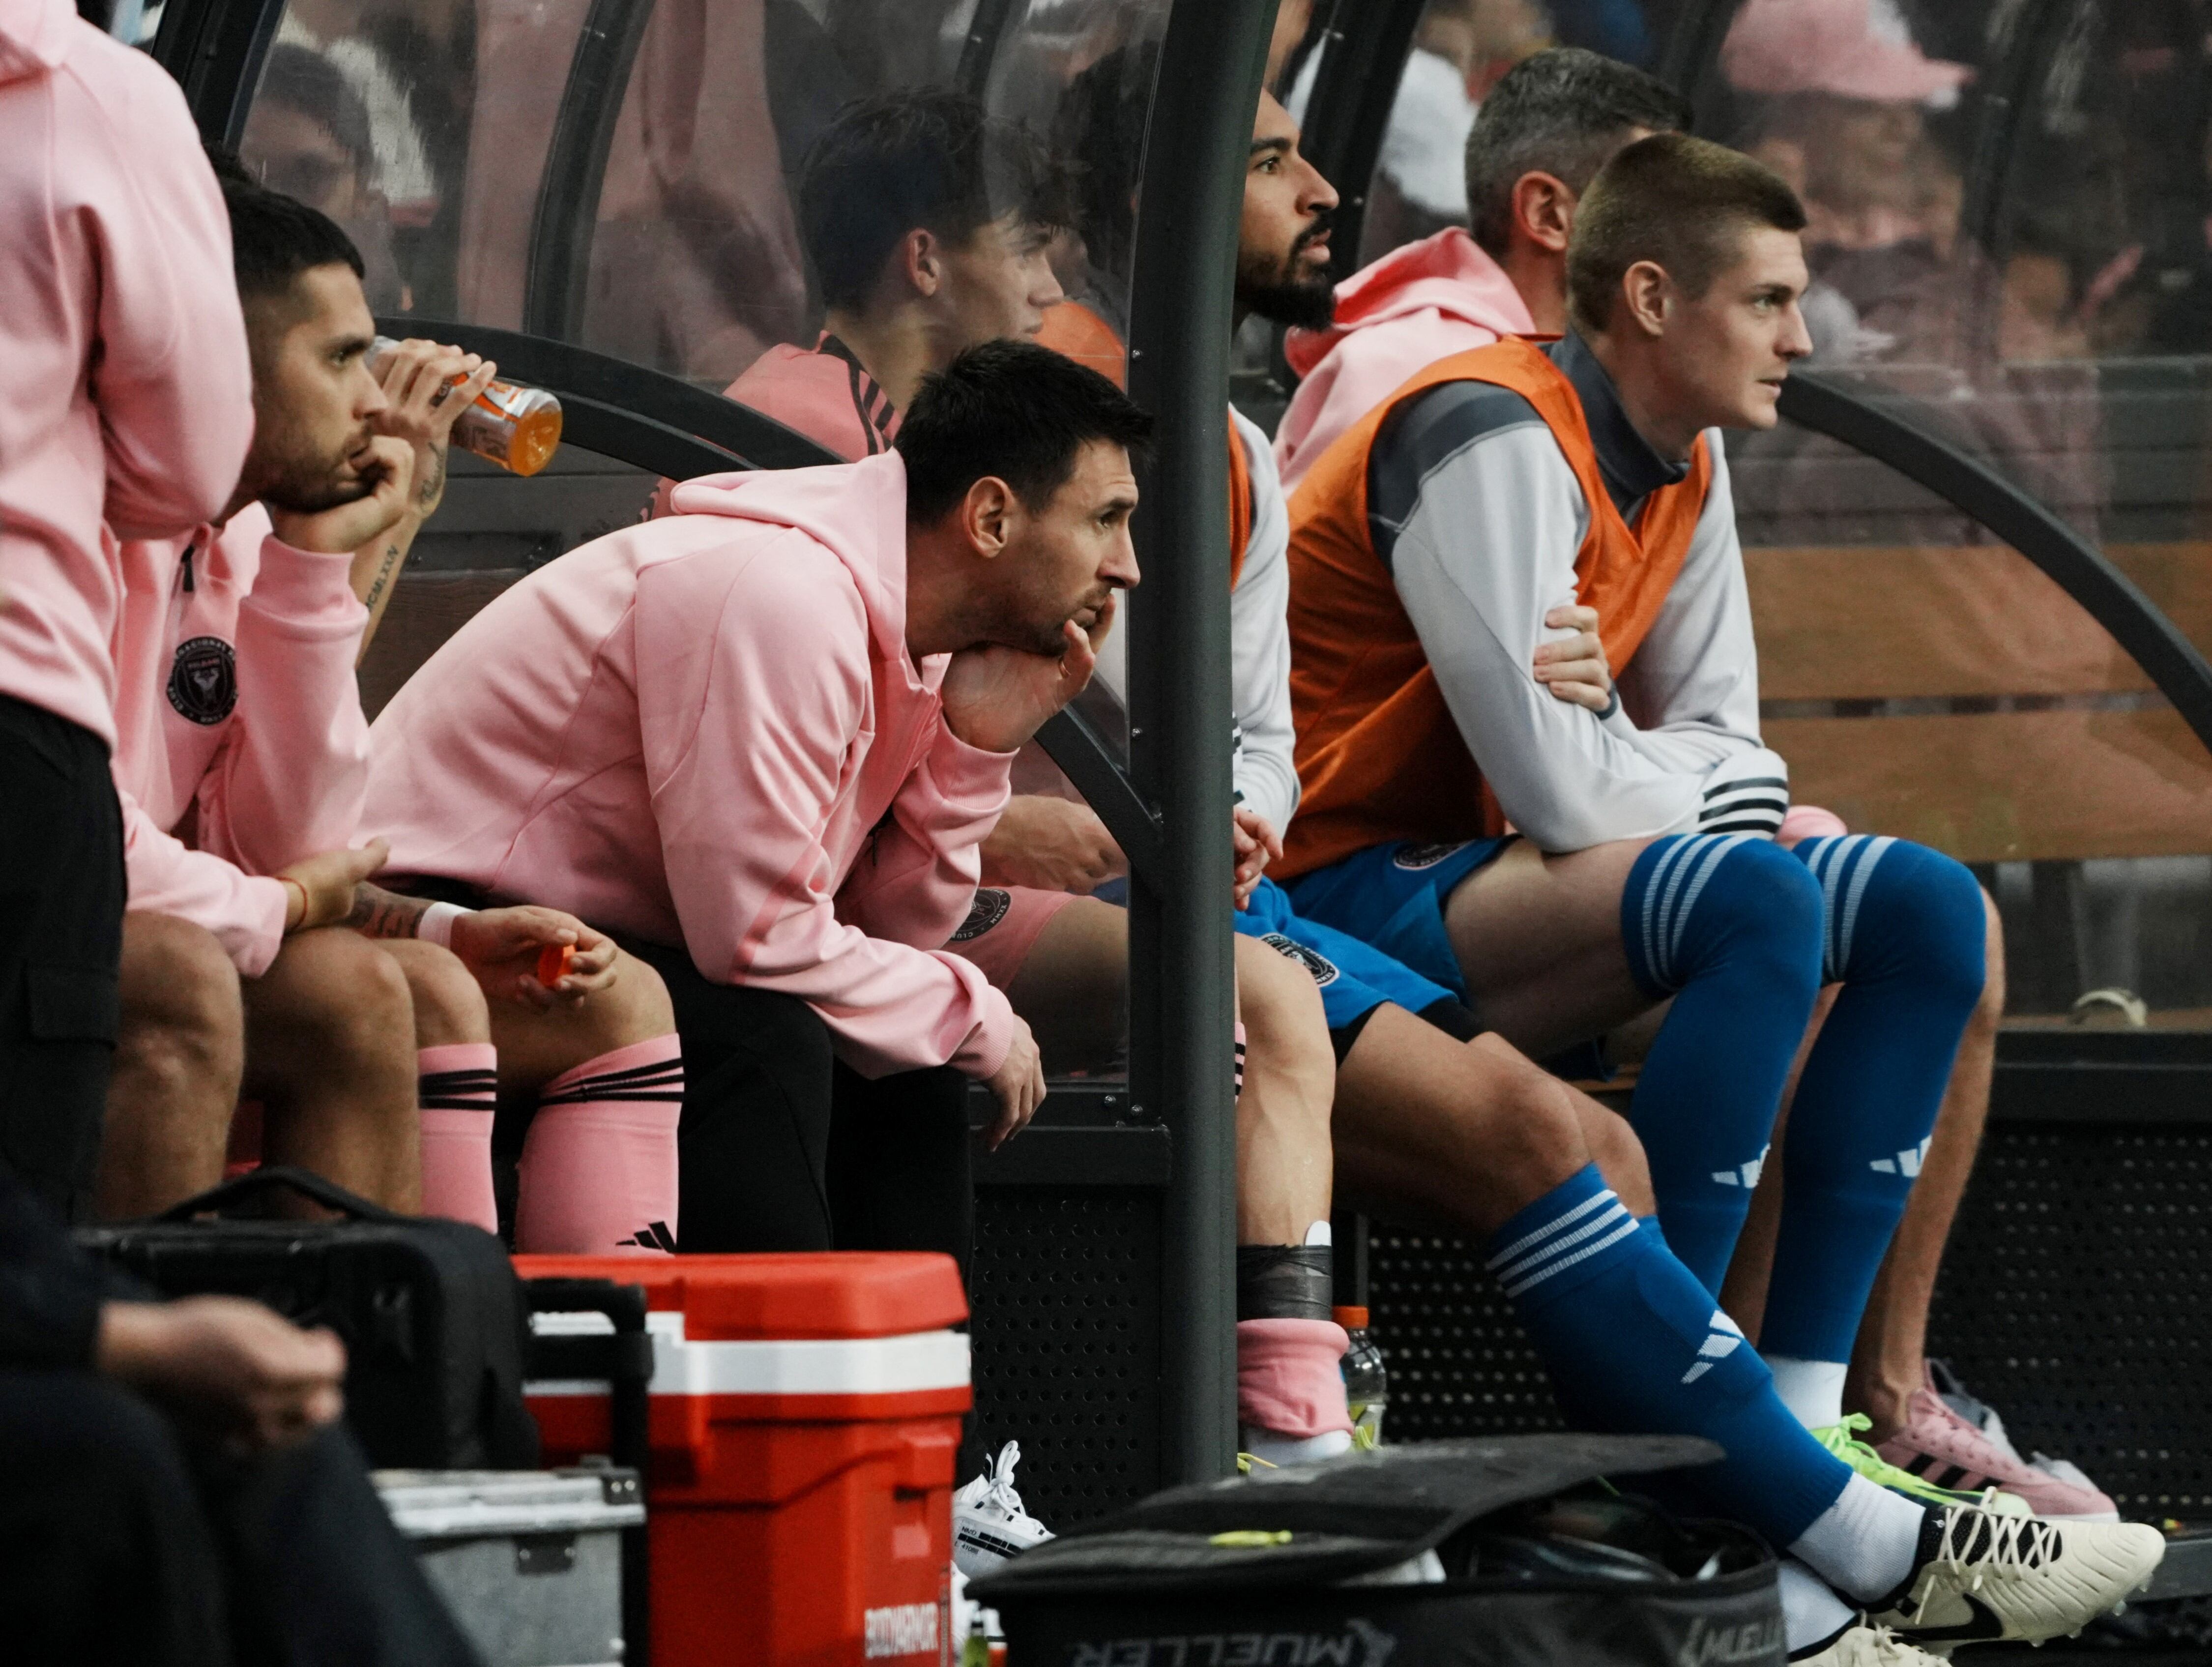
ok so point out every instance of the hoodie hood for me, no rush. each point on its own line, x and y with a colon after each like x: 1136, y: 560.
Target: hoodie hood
x: 1448, y: 274
x: 35, y: 36
x: 855, y: 510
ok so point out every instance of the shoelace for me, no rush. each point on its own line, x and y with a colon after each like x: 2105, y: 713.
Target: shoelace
x: 1841, y: 1439
x: 2001, y: 1544
x: 1875, y: 1645
x: 1000, y: 1494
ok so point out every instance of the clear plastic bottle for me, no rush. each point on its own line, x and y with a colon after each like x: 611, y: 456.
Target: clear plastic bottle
x: 513, y: 425
x: 1367, y: 1386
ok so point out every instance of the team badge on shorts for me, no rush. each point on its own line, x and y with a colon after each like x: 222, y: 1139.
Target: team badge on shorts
x: 203, y: 680
x: 987, y: 912
x: 1412, y: 858
x: 1323, y: 969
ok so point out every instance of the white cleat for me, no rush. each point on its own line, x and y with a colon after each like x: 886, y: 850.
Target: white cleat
x: 1863, y: 1644
x: 1985, y: 1577
x: 988, y: 1523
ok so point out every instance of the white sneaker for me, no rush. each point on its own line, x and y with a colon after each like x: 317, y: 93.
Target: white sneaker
x: 1982, y: 1578
x: 988, y: 1523
x: 1863, y: 1644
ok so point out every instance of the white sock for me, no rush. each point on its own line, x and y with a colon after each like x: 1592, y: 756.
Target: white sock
x: 1811, y: 1614
x: 1865, y: 1544
x: 1811, y: 1389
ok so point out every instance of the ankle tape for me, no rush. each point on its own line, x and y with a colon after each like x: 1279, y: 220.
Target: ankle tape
x: 1284, y: 1281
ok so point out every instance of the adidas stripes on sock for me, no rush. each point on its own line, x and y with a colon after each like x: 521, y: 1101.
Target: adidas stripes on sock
x: 599, y: 1173
x: 1634, y: 1345
x: 1904, y: 933
x: 456, y: 1086
x: 1729, y: 926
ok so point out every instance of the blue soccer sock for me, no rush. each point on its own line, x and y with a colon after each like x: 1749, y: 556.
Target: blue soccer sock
x: 1634, y: 1345
x: 1904, y: 933
x: 1729, y: 926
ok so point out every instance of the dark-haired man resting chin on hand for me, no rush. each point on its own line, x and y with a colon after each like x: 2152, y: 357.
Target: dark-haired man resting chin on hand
x: 759, y: 738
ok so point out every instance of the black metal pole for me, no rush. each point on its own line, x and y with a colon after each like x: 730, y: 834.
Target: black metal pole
x: 1363, y: 56
x: 1181, y: 961
x: 557, y: 281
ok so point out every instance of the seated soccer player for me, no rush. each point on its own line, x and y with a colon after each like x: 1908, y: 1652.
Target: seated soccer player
x: 242, y: 759
x: 761, y: 736
x: 926, y: 222
x: 1543, y: 132
x: 1427, y: 546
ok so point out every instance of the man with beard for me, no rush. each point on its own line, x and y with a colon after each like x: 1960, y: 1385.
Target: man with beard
x: 761, y: 736
x: 241, y: 757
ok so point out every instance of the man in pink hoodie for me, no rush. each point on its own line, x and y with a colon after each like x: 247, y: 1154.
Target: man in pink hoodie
x: 126, y: 400
x: 1543, y: 133
x: 243, y: 754
x: 760, y: 739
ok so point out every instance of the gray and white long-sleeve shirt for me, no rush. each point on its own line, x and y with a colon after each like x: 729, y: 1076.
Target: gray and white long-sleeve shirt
x: 1477, y: 514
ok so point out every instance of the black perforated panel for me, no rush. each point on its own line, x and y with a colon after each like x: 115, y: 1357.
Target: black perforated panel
x: 1067, y: 1344
x: 1459, y: 1363
x: 2076, y: 1297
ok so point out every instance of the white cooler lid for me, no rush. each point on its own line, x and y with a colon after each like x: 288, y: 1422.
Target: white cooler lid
x: 451, y: 1504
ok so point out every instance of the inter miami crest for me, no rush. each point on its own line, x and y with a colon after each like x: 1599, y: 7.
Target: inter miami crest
x: 1414, y: 858
x: 1323, y: 969
x: 203, y: 681
x: 987, y: 912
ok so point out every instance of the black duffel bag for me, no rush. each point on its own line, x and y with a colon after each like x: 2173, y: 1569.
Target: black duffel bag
x: 1476, y: 1554
x: 431, y: 1314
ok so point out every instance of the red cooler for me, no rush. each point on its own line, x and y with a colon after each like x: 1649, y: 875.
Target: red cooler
x: 805, y: 1411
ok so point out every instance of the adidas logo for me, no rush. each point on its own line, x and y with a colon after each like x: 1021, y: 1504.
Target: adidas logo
x: 654, y: 1236
x: 1721, y: 1340
x: 1906, y: 1163
x: 1744, y: 1175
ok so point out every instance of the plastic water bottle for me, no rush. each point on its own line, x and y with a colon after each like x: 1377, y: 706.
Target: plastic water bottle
x: 513, y: 425
x: 1367, y: 1386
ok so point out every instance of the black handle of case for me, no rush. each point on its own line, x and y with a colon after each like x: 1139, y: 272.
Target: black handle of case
x: 268, y: 1178
x: 626, y: 1359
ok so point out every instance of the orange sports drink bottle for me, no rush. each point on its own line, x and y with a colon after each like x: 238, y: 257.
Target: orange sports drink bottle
x: 515, y: 426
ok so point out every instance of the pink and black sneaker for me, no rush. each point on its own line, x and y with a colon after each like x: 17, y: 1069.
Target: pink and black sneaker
x: 1944, y: 1449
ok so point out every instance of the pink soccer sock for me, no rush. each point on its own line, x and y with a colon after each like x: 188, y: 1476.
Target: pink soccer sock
x: 458, y: 1087
x: 599, y: 1165
x: 1288, y: 1376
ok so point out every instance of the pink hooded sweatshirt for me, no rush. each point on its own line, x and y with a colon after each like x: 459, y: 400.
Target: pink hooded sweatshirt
x: 707, y: 730
x: 1441, y: 295
x: 240, y: 743
x: 127, y: 395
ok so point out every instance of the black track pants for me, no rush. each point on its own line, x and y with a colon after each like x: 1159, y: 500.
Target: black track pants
x: 785, y: 1148
x: 62, y: 894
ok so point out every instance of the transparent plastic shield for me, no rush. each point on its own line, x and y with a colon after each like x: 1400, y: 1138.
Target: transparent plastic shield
x: 1927, y: 682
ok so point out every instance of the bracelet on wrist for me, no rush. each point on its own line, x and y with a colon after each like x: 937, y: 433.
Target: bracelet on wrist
x: 436, y: 924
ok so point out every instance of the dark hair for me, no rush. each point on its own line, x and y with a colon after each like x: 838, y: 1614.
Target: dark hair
x: 1100, y: 122
x: 1673, y: 200
x: 919, y: 157
x: 1013, y: 410
x: 275, y: 238
x: 298, y: 78
x: 1561, y: 112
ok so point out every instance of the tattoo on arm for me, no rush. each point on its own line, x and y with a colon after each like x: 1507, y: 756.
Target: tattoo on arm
x: 378, y: 913
x: 433, y: 482
x: 385, y: 568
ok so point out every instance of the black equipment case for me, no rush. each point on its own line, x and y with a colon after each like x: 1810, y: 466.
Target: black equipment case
x: 432, y: 1318
x: 1475, y: 1553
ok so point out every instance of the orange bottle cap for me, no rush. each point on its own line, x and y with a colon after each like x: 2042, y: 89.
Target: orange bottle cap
x: 554, y: 962
x: 1351, y: 1318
